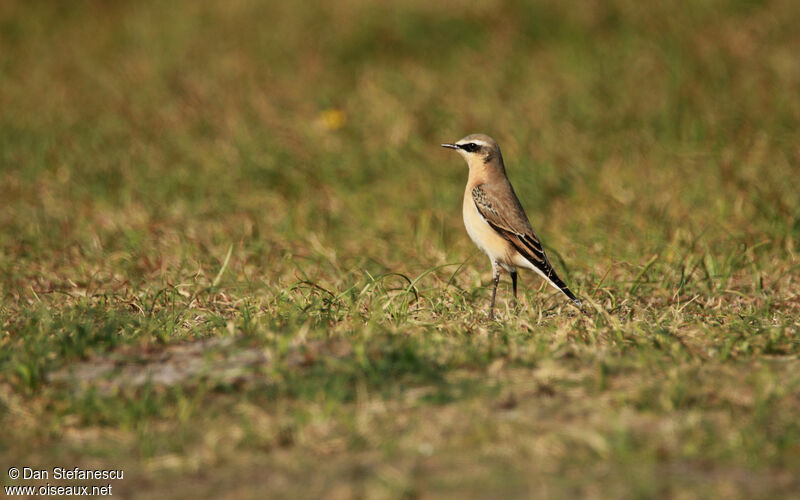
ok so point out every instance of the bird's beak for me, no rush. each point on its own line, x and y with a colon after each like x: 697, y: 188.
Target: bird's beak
x: 451, y: 146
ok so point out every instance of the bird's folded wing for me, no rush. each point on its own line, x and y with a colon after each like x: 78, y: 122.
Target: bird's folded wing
x: 504, y: 214
x: 500, y: 208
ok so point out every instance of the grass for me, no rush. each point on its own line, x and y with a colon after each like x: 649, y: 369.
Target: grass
x: 232, y: 261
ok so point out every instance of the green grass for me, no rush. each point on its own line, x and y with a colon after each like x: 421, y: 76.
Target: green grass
x: 232, y: 261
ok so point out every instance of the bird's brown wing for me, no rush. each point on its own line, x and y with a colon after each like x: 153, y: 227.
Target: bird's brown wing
x: 501, y: 209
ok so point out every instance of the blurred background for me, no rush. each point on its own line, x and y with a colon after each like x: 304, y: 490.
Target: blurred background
x: 622, y: 125
x: 187, y: 169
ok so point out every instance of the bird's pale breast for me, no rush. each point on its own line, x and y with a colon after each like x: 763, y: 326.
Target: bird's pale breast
x: 482, y: 234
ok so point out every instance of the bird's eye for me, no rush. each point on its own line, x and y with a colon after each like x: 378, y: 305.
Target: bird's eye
x: 470, y: 147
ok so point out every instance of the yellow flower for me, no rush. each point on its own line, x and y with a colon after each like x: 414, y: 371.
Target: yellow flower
x: 333, y: 118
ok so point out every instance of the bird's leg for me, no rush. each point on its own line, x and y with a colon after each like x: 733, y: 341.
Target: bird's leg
x: 496, y: 272
x: 514, y: 285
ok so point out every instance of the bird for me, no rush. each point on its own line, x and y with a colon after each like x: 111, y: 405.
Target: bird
x: 495, y: 219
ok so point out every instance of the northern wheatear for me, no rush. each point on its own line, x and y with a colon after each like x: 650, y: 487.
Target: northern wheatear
x: 495, y: 219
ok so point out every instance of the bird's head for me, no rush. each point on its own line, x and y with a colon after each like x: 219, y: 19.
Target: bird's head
x: 477, y: 149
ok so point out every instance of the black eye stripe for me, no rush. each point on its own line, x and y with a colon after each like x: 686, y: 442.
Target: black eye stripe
x: 470, y: 147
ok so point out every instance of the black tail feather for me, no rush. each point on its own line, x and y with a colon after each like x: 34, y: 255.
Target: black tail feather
x: 546, y: 269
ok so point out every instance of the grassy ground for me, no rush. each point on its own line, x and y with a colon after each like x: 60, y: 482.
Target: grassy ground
x: 232, y: 261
